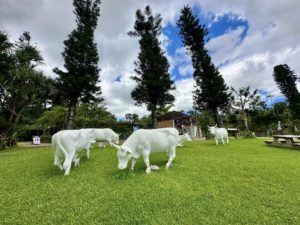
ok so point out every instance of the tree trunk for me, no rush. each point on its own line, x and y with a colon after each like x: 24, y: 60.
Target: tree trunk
x: 217, y: 118
x: 71, y: 115
x: 154, y: 117
x: 245, y: 121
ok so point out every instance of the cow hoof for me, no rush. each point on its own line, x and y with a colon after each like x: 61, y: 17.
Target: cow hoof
x: 154, y: 167
x: 148, y: 170
x: 77, y: 162
x: 131, y: 168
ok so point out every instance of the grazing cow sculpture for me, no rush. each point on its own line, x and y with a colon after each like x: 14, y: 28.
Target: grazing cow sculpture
x: 67, y: 143
x: 145, y: 141
x: 183, y: 138
x: 104, y: 135
x: 219, y: 134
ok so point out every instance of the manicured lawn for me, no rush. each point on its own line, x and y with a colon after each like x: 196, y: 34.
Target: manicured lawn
x: 245, y: 182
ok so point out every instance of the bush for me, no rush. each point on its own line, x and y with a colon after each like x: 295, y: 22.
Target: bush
x: 46, y: 138
x: 248, y: 134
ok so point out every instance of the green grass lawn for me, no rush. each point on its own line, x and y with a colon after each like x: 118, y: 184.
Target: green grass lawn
x: 245, y: 182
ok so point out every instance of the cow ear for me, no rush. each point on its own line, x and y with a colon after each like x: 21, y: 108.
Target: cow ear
x: 207, y: 126
x: 116, y: 146
x: 216, y: 125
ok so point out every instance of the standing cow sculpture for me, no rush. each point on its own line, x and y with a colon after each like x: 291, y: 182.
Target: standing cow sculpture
x: 104, y: 135
x: 143, y: 142
x: 183, y: 138
x: 219, y: 134
x: 67, y: 143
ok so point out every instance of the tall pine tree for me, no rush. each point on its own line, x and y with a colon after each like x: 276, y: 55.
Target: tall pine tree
x: 286, y: 81
x: 80, y: 80
x: 211, y: 92
x: 152, y: 77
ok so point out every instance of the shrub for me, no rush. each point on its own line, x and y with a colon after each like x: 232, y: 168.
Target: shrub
x: 248, y: 134
x: 46, y: 138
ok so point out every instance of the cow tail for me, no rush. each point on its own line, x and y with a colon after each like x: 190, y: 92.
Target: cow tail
x: 62, y: 148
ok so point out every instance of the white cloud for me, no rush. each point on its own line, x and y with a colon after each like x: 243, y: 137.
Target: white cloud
x: 272, y: 38
x: 183, y: 94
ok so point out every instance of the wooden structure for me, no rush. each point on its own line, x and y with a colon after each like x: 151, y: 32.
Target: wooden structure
x: 233, y: 131
x: 183, y: 122
x: 286, y: 141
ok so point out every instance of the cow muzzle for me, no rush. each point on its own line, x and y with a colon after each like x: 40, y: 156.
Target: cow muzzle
x: 122, y: 167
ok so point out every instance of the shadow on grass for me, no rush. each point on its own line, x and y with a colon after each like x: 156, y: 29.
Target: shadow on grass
x: 139, y: 170
x: 51, y: 171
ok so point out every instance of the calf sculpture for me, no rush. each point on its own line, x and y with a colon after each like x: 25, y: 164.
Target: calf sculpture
x: 143, y: 142
x: 67, y: 143
x: 183, y: 138
x: 219, y: 134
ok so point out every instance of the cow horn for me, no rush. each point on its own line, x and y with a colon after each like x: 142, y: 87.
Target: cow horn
x: 116, y: 146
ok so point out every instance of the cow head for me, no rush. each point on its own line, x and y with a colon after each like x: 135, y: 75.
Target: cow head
x: 213, y: 129
x: 187, y: 137
x: 116, y: 138
x: 124, y: 155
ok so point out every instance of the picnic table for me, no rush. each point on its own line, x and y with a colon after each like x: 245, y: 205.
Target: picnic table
x: 287, y: 141
x: 233, y: 131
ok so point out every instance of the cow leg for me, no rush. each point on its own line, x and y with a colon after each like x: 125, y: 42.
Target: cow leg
x: 88, y: 153
x: 216, y: 140
x: 223, y: 142
x: 76, y: 160
x: 68, y: 162
x: 109, y: 141
x: 57, y: 161
x: 133, y: 161
x: 67, y: 165
x: 172, y: 154
x: 227, y: 140
x: 146, y: 161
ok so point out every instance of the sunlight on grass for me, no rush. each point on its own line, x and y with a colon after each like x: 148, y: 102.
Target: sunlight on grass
x: 245, y: 182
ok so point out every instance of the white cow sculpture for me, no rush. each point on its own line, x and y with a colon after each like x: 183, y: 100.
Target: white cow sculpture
x: 183, y: 138
x: 143, y: 142
x: 104, y: 135
x: 219, y: 134
x: 67, y: 143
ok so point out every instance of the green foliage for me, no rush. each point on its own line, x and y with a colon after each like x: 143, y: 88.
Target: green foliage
x: 132, y: 118
x: 286, y: 81
x: 22, y: 85
x: 90, y: 115
x: 211, y: 92
x: 152, y: 76
x: 146, y: 121
x: 243, y: 99
x: 80, y: 80
x: 248, y: 134
x: 245, y: 182
x: 46, y: 138
x: 163, y: 109
x: 56, y: 117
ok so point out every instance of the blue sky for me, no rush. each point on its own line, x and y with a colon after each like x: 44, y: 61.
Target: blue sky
x: 219, y: 27
x: 247, y: 39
